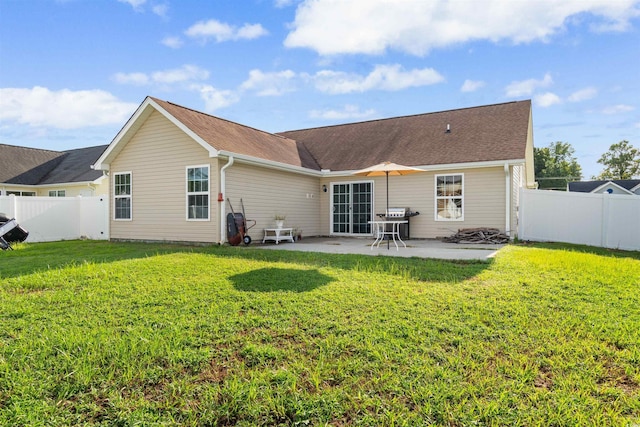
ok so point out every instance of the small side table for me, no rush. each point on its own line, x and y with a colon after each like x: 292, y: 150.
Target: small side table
x: 278, y: 235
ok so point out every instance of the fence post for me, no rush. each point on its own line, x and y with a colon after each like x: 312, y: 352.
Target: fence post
x: 13, y: 206
x: 604, y: 224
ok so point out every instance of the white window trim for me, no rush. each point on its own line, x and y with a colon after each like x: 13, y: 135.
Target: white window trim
x: 129, y: 196
x: 197, y: 193
x: 436, y: 198
x: 57, y: 193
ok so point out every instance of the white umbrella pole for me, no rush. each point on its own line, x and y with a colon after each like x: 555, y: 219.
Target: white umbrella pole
x: 387, y: 211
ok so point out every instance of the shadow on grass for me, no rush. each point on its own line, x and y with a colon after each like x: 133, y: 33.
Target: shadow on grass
x: 279, y: 279
x: 28, y: 258
x: 594, y: 250
x: 450, y: 271
x: 36, y: 257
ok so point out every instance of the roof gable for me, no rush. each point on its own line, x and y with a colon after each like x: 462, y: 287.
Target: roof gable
x: 224, y: 135
x: 213, y: 134
x: 478, y: 134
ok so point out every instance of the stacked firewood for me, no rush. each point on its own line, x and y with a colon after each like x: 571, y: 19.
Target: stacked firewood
x: 478, y: 235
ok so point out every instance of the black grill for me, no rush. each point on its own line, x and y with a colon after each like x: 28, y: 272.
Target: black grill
x: 402, y: 214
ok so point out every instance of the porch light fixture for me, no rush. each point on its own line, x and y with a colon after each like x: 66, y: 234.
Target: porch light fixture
x: 324, y: 188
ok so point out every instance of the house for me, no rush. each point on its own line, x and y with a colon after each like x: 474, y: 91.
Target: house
x: 172, y: 170
x: 611, y: 186
x: 34, y: 172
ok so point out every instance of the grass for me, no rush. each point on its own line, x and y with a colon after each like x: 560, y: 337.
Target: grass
x: 99, y: 333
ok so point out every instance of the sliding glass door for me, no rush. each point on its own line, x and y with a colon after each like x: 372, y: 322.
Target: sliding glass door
x: 351, y: 208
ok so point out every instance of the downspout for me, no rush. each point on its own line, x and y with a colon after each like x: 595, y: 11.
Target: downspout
x: 223, y: 183
x: 507, y: 200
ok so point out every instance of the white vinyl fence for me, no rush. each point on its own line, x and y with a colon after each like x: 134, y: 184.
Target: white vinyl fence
x: 606, y: 220
x: 50, y: 219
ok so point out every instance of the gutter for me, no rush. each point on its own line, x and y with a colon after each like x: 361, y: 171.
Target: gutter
x: 270, y: 163
x: 223, y: 184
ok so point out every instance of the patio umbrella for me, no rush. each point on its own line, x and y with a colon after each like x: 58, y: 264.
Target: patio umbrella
x: 386, y: 169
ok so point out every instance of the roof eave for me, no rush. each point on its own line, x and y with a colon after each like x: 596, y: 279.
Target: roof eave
x: 243, y: 158
x: 448, y: 166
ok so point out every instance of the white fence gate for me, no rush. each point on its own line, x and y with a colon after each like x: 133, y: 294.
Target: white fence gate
x: 606, y: 220
x: 50, y: 219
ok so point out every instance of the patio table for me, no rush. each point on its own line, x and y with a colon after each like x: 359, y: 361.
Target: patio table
x: 278, y: 235
x: 383, y: 230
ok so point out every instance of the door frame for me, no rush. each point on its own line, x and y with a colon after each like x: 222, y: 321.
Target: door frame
x: 350, y: 183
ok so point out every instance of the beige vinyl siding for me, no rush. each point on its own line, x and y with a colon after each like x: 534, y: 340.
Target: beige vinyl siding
x: 157, y: 157
x: 484, y: 200
x: 267, y: 192
x: 101, y: 188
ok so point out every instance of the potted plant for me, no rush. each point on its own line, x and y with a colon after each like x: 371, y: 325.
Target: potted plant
x: 280, y: 220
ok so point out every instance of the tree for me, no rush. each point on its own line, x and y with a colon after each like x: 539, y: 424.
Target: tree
x: 622, y: 161
x: 556, y: 165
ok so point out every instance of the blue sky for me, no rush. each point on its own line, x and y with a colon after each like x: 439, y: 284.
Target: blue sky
x: 73, y: 71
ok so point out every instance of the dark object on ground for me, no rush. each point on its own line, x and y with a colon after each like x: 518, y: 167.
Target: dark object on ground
x: 478, y: 235
x: 10, y: 232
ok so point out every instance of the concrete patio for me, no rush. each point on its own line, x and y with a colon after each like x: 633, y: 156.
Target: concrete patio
x: 420, y: 248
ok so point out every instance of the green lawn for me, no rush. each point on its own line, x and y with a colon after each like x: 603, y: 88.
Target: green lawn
x: 99, y: 333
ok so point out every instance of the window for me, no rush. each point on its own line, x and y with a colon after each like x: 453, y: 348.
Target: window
x: 198, y: 192
x: 57, y: 193
x: 22, y: 193
x: 122, y: 196
x: 450, y: 197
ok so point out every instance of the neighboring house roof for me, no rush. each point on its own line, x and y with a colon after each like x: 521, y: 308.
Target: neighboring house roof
x: 591, y: 186
x: 478, y: 134
x: 27, y: 166
x: 224, y: 135
x: 32, y: 166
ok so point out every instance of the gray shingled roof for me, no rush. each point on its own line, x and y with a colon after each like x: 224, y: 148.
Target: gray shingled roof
x: 589, y: 186
x: 486, y: 133
x: 32, y: 166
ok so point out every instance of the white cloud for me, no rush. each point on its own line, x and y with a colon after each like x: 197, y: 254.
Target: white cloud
x: 547, y: 99
x: 215, y: 99
x: 185, y: 73
x: 471, y: 85
x: 282, y: 3
x: 348, y: 112
x: 250, y: 32
x: 583, y: 94
x: 63, y: 109
x: 416, y: 27
x: 160, y: 10
x: 137, y: 79
x: 172, y: 42
x: 270, y: 84
x: 617, y: 109
x: 527, y: 87
x: 135, y: 4
x: 383, y: 77
x: 205, y: 30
